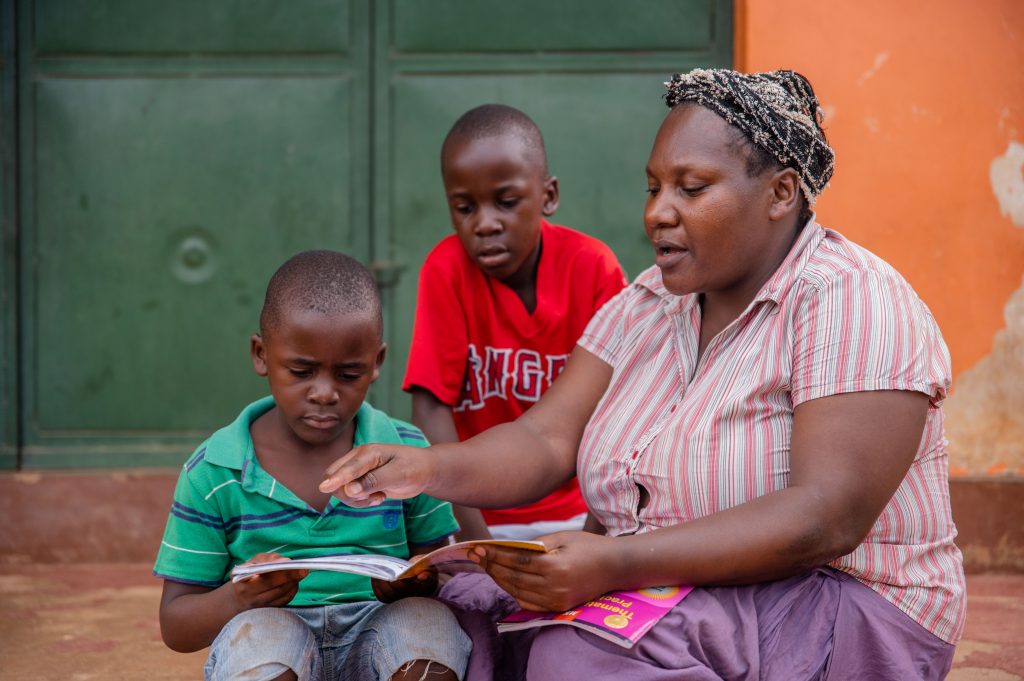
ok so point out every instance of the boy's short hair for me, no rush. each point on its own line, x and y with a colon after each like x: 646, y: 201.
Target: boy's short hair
x: 493, y: 120
x: 324, y: 281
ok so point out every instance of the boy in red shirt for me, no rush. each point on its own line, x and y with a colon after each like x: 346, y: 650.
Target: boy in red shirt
x: 501, y: 302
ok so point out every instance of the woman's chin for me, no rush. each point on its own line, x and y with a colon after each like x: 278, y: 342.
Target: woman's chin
x: 677, y: 286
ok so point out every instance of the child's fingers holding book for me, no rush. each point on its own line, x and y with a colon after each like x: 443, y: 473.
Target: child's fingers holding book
x: 268, y: 589
x: 421, y: 584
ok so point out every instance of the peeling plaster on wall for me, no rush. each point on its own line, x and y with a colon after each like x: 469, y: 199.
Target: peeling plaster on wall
x: 924, y: 113
x: 1006, y: 122
x: 880, y: 59
x: 1006, y: 173
x: 985, y: 410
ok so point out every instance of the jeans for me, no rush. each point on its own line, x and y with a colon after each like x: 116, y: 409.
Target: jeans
x: 364, y: 640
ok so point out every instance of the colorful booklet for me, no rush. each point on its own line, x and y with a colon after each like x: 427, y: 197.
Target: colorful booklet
x: 448, y: 559
x: 621, y: 617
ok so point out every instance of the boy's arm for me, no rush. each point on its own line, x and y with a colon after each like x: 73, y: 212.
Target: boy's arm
x: 434, y: 418
x: 191, y: 616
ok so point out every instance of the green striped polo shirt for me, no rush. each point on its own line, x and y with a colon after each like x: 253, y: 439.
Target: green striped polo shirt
x: 227, y: 509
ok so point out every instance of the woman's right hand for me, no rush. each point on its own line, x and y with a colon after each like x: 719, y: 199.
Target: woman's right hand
x: 371, y: 473
x: 268, y: 589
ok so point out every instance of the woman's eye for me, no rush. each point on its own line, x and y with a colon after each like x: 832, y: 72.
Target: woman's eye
x: 695, y: 189
x: 652, y: 191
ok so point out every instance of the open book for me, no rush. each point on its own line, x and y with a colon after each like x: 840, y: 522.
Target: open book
x: 621, y: 617
x: 448, y: 559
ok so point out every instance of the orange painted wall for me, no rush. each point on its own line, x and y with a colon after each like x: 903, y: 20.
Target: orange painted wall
x: 920, y: 97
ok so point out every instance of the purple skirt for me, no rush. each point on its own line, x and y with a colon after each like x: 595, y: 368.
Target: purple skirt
x: 823, y: 626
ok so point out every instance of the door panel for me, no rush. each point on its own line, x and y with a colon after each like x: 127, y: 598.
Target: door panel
x: 191, y: 26
x: 9, y: 400
x: 162, y: 210
x: 158, y: 195
x: 458, y: 26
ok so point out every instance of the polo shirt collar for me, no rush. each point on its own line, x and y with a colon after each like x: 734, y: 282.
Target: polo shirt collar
x: 777, y: 286
x: 231, y: 446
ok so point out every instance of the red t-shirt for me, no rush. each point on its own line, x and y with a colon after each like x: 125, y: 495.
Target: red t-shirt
x: 477, y: 349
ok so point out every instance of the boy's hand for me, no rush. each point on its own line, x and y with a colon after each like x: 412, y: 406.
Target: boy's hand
x: 269, y: 589
x: 421, y: 584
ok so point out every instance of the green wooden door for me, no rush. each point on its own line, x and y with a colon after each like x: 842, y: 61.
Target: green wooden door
x: 168, y: 156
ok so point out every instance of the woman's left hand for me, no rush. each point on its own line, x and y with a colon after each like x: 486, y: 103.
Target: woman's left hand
x: 576, y: 568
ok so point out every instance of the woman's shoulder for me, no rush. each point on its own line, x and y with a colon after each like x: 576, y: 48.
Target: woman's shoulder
x: 838, y: 259
x: 846, y: 280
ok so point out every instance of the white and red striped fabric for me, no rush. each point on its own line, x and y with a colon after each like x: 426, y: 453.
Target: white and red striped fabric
x: 704, y: 437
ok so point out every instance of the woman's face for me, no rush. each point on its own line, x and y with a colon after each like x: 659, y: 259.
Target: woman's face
x: 710, y: 223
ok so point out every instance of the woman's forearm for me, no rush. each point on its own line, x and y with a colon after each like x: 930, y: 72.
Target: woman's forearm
x: 520, y: 462
x: 508, y: 465
x: 477, y: 474
x: 771, y: 537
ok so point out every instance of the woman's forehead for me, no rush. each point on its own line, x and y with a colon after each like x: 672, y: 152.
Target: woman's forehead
x: 694, y: 134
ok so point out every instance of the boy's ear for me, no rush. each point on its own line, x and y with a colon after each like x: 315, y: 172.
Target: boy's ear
x: 257, y: 351
x: 379, y: 361
x: 550, y: 196
x: 785, y: 195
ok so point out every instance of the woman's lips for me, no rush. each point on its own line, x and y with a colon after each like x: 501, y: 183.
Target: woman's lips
x: 667, y: 256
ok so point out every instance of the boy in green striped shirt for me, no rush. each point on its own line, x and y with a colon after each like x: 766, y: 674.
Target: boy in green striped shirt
x: 249, y: 494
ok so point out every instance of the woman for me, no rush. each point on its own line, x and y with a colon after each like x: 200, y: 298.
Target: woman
x: 758, y: 415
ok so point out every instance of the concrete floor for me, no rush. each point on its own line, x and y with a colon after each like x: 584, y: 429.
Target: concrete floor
x: 84, y: 622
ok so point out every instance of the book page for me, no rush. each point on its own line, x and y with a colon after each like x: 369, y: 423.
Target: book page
x: 449, y: 559
x: 368, y: 565
x: 455, y: 557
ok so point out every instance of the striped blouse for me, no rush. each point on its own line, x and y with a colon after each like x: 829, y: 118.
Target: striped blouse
x: 703, y: 437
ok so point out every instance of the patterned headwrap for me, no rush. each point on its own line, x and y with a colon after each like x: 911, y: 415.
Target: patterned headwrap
x: 777, y: 111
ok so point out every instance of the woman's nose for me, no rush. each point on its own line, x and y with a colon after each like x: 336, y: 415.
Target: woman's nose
x: 660, y: 212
